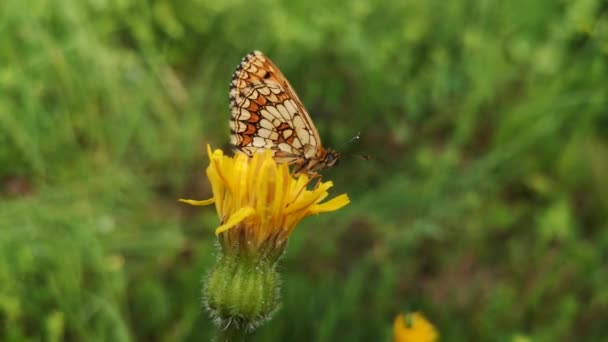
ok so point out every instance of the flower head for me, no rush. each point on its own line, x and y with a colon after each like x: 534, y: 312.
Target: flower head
x: 413, y: 327
x: 259, y: 202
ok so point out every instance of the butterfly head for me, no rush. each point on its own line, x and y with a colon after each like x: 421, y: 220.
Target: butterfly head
x: 331, y: 158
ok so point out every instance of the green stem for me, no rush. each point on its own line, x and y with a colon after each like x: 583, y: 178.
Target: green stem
x: 230, y: 334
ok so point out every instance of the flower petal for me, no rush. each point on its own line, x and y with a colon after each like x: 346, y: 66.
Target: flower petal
x: 235, y: 219
x: 331, y: 205
x: 197, y: 202
x: 306, y: 198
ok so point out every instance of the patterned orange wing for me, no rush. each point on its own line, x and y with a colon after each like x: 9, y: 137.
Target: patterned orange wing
x: 268, y: 115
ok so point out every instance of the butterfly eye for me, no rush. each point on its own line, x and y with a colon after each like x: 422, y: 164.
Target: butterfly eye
x: 332, y: 159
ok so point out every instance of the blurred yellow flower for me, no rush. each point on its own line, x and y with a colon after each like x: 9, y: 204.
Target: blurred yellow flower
x: 413, y: 327
x: 259, y: 202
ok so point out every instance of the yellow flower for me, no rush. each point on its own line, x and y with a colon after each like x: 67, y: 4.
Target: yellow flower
x: 259, y: 202
x: 413, y: 327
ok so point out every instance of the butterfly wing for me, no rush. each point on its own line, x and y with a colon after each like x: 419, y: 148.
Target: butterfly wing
x: 268, y: 115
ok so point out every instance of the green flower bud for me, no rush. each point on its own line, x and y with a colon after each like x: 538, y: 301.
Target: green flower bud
x: 242, y: 292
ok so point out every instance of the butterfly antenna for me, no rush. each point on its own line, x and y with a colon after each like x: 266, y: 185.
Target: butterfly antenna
x: 363, y: 156
x: 360, y: 156
x: 356, y: 137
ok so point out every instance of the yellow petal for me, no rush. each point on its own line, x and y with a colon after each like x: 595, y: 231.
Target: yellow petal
x: 307, y: 200
x: 331, y: 205
x: 325, y: 186
x: 300, y: 183
x: 209, y: 151
x: 198, y: 203
x: 235, y: 219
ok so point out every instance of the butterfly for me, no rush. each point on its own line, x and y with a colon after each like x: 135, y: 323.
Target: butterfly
x: 268, y: 115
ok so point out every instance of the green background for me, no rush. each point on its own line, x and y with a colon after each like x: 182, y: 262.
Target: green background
x: 484, y: 205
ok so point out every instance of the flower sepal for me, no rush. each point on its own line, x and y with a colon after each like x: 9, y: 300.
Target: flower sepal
x: 242, y: 291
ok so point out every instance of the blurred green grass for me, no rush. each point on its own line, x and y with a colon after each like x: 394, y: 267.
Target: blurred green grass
x: 484, y: 205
